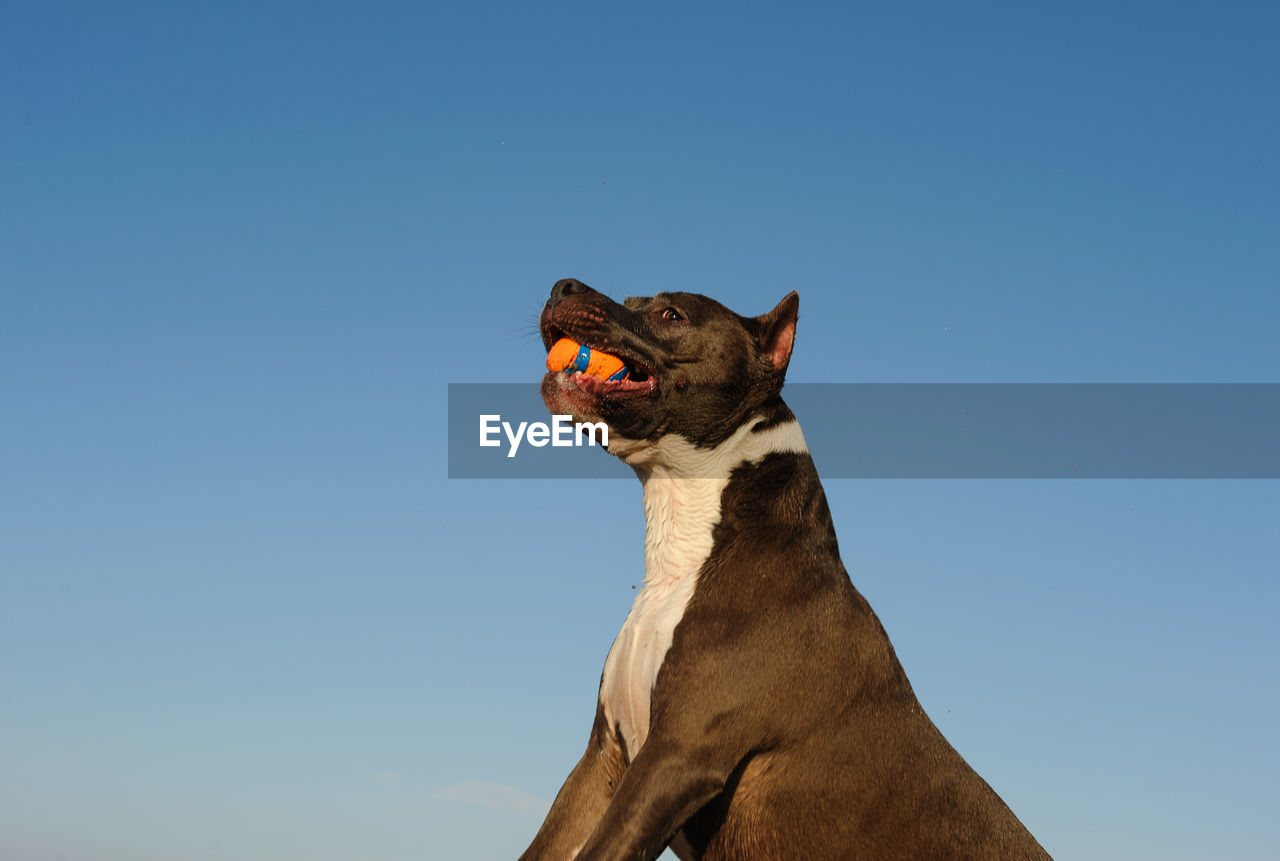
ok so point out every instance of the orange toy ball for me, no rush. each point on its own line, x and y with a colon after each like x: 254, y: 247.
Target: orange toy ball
x: 563, y: 354
x: 568, y: 354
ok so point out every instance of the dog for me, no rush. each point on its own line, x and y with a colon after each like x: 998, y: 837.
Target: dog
x: 752, y: 706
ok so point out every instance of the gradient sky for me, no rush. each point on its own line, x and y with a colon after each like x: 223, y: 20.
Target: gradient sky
x: 244, y: 616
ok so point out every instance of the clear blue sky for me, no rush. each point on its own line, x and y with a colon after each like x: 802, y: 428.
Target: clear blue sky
x: 244, y: 246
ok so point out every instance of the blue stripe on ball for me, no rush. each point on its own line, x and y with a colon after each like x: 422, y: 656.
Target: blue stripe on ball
x: 583, y: 358
x: 621, y: 375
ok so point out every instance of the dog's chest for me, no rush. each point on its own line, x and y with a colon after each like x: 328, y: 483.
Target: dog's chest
x: 683, y: 485
x: 680, y: 515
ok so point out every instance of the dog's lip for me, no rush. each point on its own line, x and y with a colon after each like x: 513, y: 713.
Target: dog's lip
x: 599, y: 388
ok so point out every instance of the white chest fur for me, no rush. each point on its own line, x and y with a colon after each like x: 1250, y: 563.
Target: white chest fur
x: 682, y: 489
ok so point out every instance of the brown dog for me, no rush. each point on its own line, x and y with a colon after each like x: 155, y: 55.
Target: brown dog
x: 752, y: 706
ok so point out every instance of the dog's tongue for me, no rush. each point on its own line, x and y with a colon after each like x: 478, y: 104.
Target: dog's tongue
x: 568, y: 354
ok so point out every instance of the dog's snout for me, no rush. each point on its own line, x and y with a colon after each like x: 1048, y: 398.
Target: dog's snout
x: 566, y: 287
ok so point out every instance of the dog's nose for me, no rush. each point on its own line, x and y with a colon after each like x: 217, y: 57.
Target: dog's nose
x: 567, y: 287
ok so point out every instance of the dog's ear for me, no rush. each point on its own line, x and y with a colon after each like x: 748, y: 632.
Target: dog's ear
x: 776, y: 330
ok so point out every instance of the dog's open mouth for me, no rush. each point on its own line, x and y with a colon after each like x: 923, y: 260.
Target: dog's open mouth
x: 594, y: 370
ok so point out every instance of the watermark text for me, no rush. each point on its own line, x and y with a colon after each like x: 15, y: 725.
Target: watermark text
x: 563, y: 431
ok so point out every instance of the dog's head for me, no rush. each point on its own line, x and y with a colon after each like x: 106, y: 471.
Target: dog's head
x: 698, y: 369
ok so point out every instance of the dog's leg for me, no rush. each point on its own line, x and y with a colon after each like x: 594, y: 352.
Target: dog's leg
x: 664, y: 786
x: 582, y: 800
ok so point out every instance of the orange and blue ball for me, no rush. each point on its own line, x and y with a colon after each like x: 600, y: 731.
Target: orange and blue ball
x: 568, y: 355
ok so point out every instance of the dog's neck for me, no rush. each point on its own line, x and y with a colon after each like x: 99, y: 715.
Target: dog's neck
x: 683, y: 484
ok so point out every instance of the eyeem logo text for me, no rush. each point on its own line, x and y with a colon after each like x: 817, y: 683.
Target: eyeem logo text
x: 563, y: 431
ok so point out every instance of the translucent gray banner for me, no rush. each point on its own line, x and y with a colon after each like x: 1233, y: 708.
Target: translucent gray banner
x: 927, y: 430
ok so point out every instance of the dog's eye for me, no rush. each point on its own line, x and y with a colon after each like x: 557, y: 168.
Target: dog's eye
x: 672, y: 314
